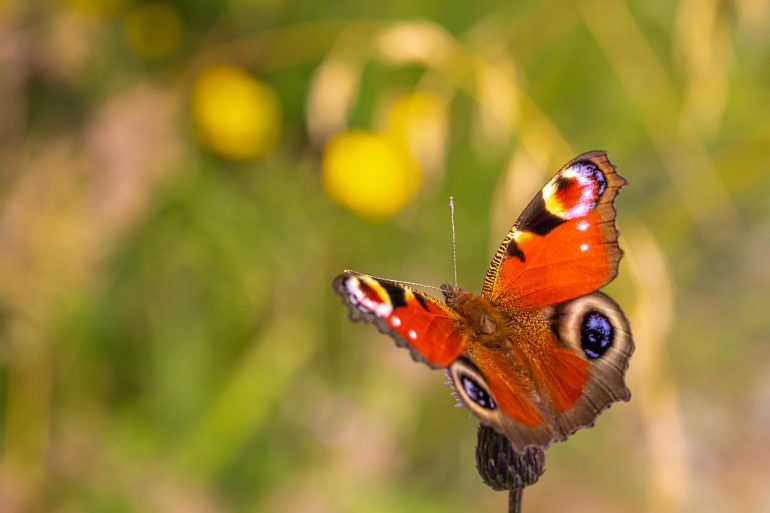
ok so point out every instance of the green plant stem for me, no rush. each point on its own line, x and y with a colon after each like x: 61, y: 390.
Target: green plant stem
x: 514, y: 500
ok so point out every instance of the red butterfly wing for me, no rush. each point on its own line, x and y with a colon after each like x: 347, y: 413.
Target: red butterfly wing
x: 552, y: 378
x: 533, y: 385
x: 564, y: 245
x: 414, y: 320
x: 501, y: 398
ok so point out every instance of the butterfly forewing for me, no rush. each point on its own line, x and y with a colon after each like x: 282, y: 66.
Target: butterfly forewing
x: 545, y: 384
x: 564, y: 244
x: 413, y: 319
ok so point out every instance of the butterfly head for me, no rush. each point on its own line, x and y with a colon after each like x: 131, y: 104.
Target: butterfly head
x: 478, y: 314
x: 451, y: 294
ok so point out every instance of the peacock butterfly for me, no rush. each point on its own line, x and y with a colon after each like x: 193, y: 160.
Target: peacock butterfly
x: 540, y: 352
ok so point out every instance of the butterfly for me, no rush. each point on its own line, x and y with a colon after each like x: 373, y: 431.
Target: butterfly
x: 540, y: 352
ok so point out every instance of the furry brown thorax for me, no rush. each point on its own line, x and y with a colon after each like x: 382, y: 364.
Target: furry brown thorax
x: 481, y: 318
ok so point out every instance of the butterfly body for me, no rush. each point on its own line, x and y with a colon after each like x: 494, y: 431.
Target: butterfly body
x: 540, y: 352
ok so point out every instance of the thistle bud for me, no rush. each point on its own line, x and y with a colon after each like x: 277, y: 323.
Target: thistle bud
x: 502, y: 468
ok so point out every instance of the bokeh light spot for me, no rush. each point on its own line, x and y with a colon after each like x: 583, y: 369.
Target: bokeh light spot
x: 370, y: 173
x: 234, y: 114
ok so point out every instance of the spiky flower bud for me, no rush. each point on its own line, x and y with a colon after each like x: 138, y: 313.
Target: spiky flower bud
x: 502, y: 468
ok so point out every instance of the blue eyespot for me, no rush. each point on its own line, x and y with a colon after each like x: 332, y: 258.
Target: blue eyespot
x: 588, y: 169
x: 596, y: 334
x: 477, y: 394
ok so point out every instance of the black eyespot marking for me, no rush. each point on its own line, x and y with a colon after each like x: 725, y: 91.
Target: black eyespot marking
x: 395, y: 293
x: 420, y: 299
x: 537, y: 219
x: 514, y: 251
x: 365, y: 288
x: 477, y: 394
x: 562, y: 183
x: 596, y: 334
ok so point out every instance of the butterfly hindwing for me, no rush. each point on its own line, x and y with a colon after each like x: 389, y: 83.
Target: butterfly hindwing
x: 500, y: 399
x: 543, y: 388
x: 413, y: 319
x: 564, y: 245
x: 595, y: 328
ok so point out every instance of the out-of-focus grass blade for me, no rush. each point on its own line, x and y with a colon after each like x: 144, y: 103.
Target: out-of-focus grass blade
x: 652, y: 381
x: 244, y: 402
x: 702, y: 45
x: 669, y: 127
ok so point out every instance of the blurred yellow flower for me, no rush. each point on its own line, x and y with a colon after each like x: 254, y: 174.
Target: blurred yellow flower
x: 235, y: 114
x: 153, y: 30
x: 372, y: 174
x: 419, y: 119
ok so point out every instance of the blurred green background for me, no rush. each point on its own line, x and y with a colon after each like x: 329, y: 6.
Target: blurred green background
x: 180, y: 182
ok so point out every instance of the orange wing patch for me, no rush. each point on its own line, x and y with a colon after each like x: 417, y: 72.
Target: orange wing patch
x: 414, y: 320
x: 564, y: 244
x: 532, y: 385
x: 573, y: 260
x: 512, y: 393
x: 562, y: 376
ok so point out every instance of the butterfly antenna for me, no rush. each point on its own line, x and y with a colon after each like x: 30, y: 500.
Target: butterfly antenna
x: 413, y: 284
x: 454, y: 246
